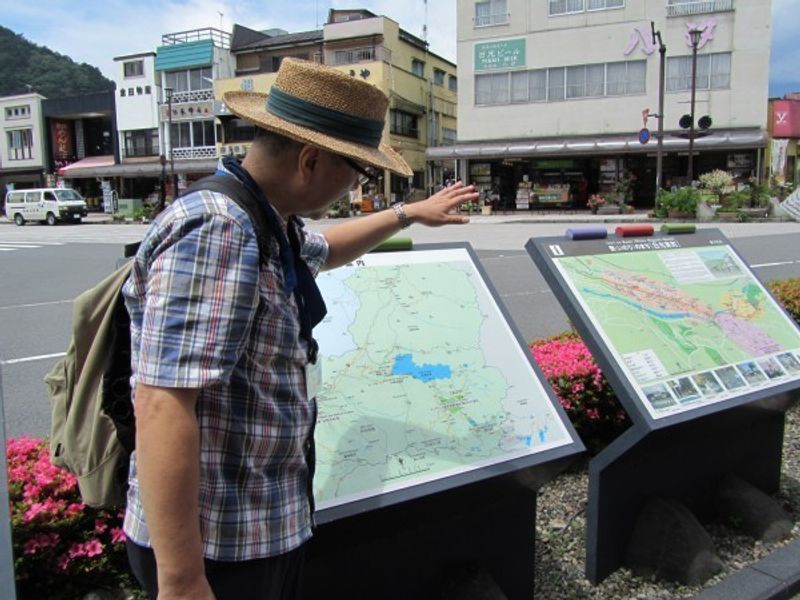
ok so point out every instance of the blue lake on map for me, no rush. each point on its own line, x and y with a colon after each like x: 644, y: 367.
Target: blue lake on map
x: 404, y: 365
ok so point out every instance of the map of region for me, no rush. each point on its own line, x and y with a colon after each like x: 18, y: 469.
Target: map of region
x: 422, y: 378
x: 689, y: 327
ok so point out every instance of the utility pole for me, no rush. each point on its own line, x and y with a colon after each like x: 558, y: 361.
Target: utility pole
x: 173, y: 177
x: 694, y: 35
x: 662, y: 54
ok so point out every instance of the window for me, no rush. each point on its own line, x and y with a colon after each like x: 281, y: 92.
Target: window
x: 452, y: 83
x: 491, y: 12
x: 32, y: 197
x: 449, y: 136
x: 147, y: 89
x: 20, y: 144
x: 238, y: 130
x: 713, y: 72
x: 189, y: 80
x: 438, y: 77
x: 624, y: 78
x: 50, y: 196
x: 681, y: 8
x: 403, y: 123
x: 133, y: 68
x: 566, y: 7
x: 203, y: 133
x: 18, y: 112
x: 141, y: 142
x: 179, y: 135
x: 561, y: 83
x: 417, y: 67
x: 122, y: 92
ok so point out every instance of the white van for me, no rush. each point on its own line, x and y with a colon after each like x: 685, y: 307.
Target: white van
x: 49, y: 205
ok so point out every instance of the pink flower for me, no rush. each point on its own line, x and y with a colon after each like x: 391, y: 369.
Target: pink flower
x: 100, y: 526
x: 118, y: 536
x: 93, y: 547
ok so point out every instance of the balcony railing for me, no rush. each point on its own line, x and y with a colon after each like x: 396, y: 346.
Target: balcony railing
x: 221, y: 39
x: 359, y: 55
x: 489, y: 20
x: 195, y: 152
x: 193, y: 96
x: 698, y: 7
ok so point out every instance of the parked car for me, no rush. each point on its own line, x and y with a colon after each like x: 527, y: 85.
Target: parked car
x: 48, y: 205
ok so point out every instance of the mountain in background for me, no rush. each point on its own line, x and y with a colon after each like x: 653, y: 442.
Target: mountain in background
x: 25, y: 66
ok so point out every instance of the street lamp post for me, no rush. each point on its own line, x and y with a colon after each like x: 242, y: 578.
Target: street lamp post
x: 172, y: 175
x: 662, y: 52
x: 694, y: 36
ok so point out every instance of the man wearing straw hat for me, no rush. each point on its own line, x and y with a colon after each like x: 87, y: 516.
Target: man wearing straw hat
x: 219, y: 502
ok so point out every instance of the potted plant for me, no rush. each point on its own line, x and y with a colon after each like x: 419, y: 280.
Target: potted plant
x: 718, y: 182
x: 594, y: 202
x: 680, y: 204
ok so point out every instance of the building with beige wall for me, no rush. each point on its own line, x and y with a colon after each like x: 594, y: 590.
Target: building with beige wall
x: 422, y: 87
x: 556, y: 89
x: 22, y: 150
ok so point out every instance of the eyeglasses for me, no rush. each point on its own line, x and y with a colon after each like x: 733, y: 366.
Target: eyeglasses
x: 364, y: 174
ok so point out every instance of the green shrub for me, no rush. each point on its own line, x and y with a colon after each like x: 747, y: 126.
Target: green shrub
x: 787, y: 291
x: 683, y: 200
x: 581, y: 388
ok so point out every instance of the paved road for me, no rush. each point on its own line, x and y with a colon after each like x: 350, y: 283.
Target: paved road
x: 43, y: 268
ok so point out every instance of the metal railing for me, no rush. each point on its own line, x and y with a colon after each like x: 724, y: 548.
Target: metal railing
x: 697, y: 7
x: 193, y: 96
x: 364, y: 54
x: 195, y: 152
x: 221, y: 39
x: 489, y: 20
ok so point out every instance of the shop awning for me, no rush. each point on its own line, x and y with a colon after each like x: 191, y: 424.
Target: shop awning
x: 76, y: 169
x: 143, y: 169
x: 739, y: 139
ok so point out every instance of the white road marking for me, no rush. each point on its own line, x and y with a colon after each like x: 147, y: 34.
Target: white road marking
x: 775, y: 264
x: 35, y: 304
x: 16, y: 361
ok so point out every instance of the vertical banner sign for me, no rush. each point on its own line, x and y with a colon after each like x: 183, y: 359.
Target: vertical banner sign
x: 61, y: 133
x: 504, y: 54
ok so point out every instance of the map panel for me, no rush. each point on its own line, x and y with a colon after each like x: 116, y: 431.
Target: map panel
x: 423, y: 378
x: 688, y: 326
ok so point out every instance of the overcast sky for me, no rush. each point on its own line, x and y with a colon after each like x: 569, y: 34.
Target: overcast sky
x: 94, y: 31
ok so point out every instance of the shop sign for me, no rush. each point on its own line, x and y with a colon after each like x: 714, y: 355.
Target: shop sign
x: 554, y: 164
x: 740, y: 161
x: 505, y: 54
x: 61, y: 133
x: 786, y: 119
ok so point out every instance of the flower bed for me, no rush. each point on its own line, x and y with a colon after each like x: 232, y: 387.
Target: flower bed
x: 581, y: 388
x: 62, y: 548
x: 787, y: 291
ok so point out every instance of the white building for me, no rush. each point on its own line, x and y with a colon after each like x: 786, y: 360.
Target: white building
x: 556, y: 89
x: 138, y: 96
x: 22, y: 152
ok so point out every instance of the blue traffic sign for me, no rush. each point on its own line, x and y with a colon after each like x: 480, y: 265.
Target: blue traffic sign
x: 644, y: 135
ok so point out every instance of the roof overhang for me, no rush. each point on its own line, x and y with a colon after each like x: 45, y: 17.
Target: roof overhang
x: 141, y: 169
x: 733, y: 139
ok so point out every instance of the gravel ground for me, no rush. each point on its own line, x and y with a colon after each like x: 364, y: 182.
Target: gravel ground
x: 561, y: 531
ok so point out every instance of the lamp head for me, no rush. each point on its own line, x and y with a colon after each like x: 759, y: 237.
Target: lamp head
x: 694, y: 36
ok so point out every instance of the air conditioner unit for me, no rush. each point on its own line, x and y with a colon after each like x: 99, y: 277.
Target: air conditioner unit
x: 238, y: 150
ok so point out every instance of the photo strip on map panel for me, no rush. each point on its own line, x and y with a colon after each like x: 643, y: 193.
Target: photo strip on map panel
x: 679, y: 324
x: 427, y: 385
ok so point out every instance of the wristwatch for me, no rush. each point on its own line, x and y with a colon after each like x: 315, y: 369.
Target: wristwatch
x: 400, y: 211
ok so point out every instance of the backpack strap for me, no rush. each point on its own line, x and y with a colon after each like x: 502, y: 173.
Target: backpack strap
x: 233, y: 189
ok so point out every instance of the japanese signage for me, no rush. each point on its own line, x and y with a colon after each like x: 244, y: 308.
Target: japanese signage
x: 61, y: 134
x: 505, y: 54
x: 786, y: 119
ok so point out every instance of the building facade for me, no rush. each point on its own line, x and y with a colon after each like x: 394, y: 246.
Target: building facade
x: 784, y: 134
x: 556, y: 92
x: 421, y: 86
x: 187, y: 63
x: 22, y: 150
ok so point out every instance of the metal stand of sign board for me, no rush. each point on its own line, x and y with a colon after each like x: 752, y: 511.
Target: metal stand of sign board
x: 681, y: 456
x: 412, y: 550
x: 410, y: 542
x: 684, y: 462
x: 7, y: 578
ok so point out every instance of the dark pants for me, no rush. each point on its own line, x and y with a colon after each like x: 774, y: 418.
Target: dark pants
x: 275, y: 578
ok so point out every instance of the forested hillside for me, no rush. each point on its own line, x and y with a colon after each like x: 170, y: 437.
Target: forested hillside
x: 27, y: 66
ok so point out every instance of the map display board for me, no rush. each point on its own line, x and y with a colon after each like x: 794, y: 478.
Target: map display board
x: 680, y: 320
x: 425, y: 385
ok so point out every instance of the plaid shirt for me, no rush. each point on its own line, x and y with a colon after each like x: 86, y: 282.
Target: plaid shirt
x: 205, y: 315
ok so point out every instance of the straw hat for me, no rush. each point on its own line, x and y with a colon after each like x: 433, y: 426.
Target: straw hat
x: 324, y: 107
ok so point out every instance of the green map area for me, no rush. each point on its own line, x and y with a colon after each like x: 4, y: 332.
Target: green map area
x: 689, y: 326
x: 422, y: 378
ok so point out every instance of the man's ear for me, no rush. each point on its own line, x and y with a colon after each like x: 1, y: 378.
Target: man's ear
x: 307, y: 162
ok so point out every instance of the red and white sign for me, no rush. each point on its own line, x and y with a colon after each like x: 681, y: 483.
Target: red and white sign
x: 786, y: 119
x: 61, y: 133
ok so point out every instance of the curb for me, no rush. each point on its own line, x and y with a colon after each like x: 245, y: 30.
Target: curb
x: 775, y: 577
